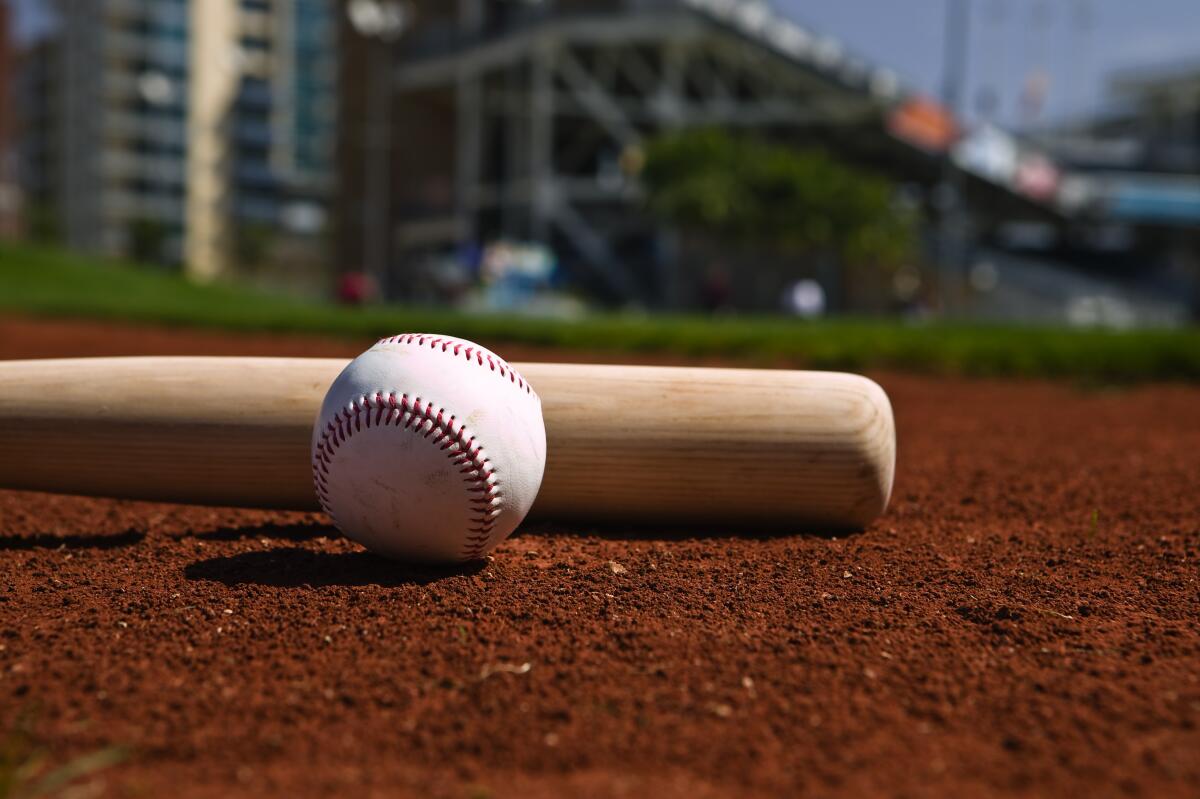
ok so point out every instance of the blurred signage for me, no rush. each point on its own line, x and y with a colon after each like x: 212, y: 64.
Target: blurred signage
x: 1077, y: 192
x: 514, y: 273
x: 1155, y: 202
x: 531, y: 264
x: 1037, y: 177
x: 924, y: 123
x: 989, y: 153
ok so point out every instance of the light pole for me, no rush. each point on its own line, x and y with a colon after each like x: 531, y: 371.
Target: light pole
x: 382, y: 23
x: 951, y: 191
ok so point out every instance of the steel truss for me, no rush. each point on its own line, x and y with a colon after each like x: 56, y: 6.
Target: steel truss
x: 544, y: 114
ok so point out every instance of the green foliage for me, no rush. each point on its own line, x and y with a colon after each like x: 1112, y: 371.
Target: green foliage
x: 751, y: 192
x: 50, y: 282
x: 147, y: 240
x: 252, y: 244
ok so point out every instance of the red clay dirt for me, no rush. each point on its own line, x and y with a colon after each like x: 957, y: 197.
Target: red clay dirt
x: 1025, y: 620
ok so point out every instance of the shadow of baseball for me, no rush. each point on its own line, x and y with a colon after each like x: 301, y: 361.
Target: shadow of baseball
x: 294, y: 567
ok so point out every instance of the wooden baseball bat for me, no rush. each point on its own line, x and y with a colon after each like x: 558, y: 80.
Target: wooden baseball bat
x: 630, y: 444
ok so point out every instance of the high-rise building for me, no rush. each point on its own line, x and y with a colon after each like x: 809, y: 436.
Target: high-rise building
x: 195, y: 132
x: 122, y: 110
x: 37, y: 139
x: 260, y: 131
x: 9, y: 195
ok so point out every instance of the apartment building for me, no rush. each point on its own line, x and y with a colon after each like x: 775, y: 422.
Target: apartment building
x: 192, y: 132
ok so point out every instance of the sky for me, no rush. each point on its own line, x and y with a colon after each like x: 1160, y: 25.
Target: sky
x: 1076, y: 43
x: 30, y: 17
x: 1073, y: 45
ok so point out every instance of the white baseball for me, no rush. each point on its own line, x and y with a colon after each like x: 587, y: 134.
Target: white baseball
x: 428, y: 448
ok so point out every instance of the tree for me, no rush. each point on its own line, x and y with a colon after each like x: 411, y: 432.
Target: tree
x: 755, y: 193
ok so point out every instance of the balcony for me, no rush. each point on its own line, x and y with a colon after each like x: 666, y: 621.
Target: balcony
x: 123, y: 47
x: 126, y: 126
x: 162, y: 171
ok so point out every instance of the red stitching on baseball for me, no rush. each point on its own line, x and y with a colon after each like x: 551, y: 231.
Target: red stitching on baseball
x: 483, y: 490
x: 494, y: 362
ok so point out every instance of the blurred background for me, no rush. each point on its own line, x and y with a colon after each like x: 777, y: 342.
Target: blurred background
x: 1033, y: 161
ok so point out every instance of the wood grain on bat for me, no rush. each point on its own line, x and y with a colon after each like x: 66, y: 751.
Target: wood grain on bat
x: 626, y: 443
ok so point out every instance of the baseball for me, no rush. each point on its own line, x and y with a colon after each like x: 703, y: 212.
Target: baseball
x: 428, y: 448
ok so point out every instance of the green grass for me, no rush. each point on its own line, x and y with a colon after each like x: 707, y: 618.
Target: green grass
x: 27, y: 770
x: 49, y: 282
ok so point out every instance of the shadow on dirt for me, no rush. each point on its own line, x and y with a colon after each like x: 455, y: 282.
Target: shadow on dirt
x: 293, y: 567
x: 290, y: 532
x: 43, y: 541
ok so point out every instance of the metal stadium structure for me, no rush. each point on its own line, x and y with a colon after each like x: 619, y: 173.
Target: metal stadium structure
x: 517, y: 120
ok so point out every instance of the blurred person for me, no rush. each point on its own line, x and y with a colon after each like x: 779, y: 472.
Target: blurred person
x: 716, y: 289
x: 356, y: 288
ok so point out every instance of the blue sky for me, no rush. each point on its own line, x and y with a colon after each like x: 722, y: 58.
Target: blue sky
x: 30, y: 16
x: 1009, y: 38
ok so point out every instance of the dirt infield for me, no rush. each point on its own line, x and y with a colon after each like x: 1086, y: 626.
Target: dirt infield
x: 1024, y: 620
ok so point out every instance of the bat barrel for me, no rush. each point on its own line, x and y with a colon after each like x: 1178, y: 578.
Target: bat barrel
x: 625, y: 443
x: 720, y: 446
